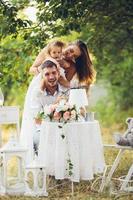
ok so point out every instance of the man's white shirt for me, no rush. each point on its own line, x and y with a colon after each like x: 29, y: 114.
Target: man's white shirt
x: 41, y: 98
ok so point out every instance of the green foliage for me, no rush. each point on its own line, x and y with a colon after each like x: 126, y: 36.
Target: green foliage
x: 16, y: 57
x: 109, y: 113
x: 122, y: 85
x: 10, y: 22
x: 105, y: 22
x: 118, y: 72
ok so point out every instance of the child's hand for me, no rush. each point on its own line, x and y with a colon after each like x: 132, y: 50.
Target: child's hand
x: 64, y: 64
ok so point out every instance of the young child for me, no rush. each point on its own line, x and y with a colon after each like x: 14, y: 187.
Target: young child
x: 52, y: 50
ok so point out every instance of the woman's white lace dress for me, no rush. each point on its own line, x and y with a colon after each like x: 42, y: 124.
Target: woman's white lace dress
x: 28, y: 125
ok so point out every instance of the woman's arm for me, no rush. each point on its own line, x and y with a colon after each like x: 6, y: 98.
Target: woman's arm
x: 64, y: 82
x: 70, y: 71
x: 69, y: 67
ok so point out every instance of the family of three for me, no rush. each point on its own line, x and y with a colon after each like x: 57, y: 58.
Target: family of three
x: 56, y: 68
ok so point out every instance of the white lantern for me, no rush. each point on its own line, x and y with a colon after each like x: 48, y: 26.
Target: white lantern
x: 78, y: 97
x: 12, y: 184
x: 38, y: 173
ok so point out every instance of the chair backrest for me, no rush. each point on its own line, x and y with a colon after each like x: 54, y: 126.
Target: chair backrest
x: 10, y: 115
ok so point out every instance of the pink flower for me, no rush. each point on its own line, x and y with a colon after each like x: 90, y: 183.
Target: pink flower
x: 66, y: 115
x: 57, y: 116
x: 53, y: 107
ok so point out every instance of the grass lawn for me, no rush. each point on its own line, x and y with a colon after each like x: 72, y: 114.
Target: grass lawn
x: 82, y: 190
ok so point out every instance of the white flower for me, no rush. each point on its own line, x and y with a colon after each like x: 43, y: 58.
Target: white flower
x: 62, y: 102
x: 59, y: 108
x: 70, y: 106
x: 65, y: 107
x: 47, y: 110
x: 73, y: 114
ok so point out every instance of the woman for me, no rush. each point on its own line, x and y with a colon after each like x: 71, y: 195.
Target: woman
x: 84, y: 72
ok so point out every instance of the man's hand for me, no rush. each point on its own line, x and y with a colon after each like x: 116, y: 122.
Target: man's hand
x: 60, y: 98
x: 39, y: 117
x: 38, y: 121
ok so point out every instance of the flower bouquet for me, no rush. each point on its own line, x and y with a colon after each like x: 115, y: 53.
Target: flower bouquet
x: 62, y: 112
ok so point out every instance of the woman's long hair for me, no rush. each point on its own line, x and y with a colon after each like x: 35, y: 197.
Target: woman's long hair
x: 84, y: 67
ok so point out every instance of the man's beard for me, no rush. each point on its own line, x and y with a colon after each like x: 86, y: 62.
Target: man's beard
x: 52, y: 83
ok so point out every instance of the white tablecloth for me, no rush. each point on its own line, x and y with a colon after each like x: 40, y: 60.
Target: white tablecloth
x: 82, y: 147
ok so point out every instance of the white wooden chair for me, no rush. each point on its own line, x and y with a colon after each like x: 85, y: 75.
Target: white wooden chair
x: 9, y: 115
x: 125, y: 180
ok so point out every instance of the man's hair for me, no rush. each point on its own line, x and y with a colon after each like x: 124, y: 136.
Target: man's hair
x: 48, y: 64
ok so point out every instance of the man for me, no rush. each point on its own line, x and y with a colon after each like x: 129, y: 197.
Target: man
x: 50, y: 95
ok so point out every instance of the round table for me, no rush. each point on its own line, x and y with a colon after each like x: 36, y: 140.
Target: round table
x: 72, y: 150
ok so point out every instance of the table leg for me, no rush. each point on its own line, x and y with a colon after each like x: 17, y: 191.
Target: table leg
x: 72, y: 187
x: 113, y: 168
